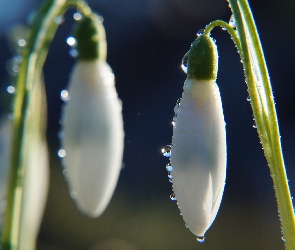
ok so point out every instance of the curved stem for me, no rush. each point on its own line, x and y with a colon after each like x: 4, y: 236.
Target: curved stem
x: 228, y: 28
x: 42, y: 29
x: 264, y: 111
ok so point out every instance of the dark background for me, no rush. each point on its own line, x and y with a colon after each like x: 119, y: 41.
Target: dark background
x: 146, y: 42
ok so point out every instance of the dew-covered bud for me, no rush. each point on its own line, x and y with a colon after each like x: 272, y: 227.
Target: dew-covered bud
x: 92, y: 128
x: 198, y: 153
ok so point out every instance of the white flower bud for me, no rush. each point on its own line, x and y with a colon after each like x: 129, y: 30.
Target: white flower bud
x: 35, y: 168
x: 93, y: 136
x: 198, y: 154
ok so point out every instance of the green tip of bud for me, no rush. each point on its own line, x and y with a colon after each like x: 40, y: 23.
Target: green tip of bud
x: 90, y: 37
x: 202, y: 59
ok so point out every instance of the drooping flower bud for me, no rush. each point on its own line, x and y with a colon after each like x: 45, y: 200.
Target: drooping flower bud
x: 93, y: 136
x: 198, y: 153
x: 35, y: 168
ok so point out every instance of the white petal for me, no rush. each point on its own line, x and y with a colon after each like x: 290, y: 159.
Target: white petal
x: 199, y: 154
x: 36, y: 171
x: 93, y: 136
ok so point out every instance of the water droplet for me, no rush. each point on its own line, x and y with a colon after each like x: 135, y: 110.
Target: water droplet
x: 61, y: 153
x: 178, y: 102
x: 173, y: 123
x: 166, y: 151
x: 12, y: 65
x: 184, y: 63
x: 65, y: 172
x: 59, y: 19
x: 170, y: 180
x: 64, y: 95
x: 169, y: 175
x: 77, y: 16
x: 73, y: 194
x: 22, y: 42
x: 201, y: 239
x: 200, y: 32
x: 71, y: 41
x: 186, y: 226
x: 73, y: 53
x: 254, y: 126
x: 248, y: 99
x: 10, y: 116
x: 169, y: 168
x: 10, y: 89
x: 173, y: 197
x: 101, y: 19
x: 232, y: 21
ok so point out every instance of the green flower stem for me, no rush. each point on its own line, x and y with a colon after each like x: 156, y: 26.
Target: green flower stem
x: 228, y: 28
x: 42, y: 30
x: 264, y: 112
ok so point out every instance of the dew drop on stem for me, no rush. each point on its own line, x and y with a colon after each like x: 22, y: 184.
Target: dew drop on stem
x: 200, y: 32
x: 232, y: 21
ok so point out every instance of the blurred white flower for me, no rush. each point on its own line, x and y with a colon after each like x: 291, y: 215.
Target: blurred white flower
x: 93, y: 136
x: 36, y: 169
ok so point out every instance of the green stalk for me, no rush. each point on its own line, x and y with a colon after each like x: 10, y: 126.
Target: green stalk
x: 42, y: 30
x: 262, y: 102
x: 228, y: 28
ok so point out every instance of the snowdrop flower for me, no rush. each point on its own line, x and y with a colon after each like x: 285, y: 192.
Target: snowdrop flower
x: 93, y: 135
x: 36, y: 170
x: 198, y: 153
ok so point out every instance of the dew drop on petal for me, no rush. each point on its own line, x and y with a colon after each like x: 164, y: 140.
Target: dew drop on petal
x: 184, y: 63
x: 10, y: 89
x: 166, y: 151
x: 169, y: 168
x: 169, y: 175
x: 173, y: 197
x: 77, y: 16
x: 201, y: 239
x: 61, y: 153
x: 73, y: 194
x: 64, y: 95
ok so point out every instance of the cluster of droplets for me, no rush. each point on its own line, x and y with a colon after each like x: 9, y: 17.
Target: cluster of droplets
x: 71, y: 41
